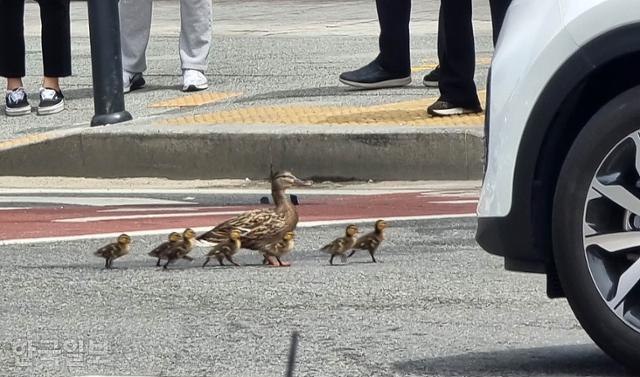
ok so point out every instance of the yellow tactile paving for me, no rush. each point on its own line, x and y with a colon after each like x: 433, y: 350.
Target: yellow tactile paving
x: 426, y: 66
x: 400, y: 113
x: 198, y: 99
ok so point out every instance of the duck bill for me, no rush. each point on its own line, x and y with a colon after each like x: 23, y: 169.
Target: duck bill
x: 301, y: 183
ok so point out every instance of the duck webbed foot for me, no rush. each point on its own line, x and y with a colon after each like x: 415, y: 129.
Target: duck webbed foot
x: 271, y: 262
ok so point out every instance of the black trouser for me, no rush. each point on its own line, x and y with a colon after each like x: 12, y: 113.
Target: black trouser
x: 394, y: 16
x: 456, y: 49
x: 56, y: 38
x: 457, y: 54
x: 498, y: 12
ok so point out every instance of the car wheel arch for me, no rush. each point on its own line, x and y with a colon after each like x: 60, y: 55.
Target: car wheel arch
x: 592, y: 77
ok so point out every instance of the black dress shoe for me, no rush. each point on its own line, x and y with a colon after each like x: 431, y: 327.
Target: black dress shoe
x: 443, y: 108
x: 373, y: 76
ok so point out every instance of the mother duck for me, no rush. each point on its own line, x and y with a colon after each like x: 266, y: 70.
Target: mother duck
x: 261, y: 227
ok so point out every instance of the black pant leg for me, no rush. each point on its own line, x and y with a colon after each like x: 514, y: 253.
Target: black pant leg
x: 456, y: 53
x: 12, y: 50
x: 498, y: 12
x: 394, y: 16
x: 56, y: 37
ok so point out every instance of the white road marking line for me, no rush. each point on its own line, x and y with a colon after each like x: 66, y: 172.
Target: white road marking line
x: 238, y: 191
x: 303, y: 224
x: 470, y: 201
x: 13, y: 208
x: 310, y: 224
x: 159, y: 209
x: 88, y: 201
x: 154, y: 216
x: 451, y: 193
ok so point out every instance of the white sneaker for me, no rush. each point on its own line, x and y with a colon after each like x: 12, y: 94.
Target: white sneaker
x: 193, y: 80
x: 132, y: 81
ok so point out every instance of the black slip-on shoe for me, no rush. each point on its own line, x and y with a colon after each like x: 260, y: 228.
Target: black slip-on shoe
x: 373, y: 76
x: 432, y: 79
x: 132, y: 81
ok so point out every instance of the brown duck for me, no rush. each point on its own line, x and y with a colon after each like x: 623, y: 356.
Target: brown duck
x: 279, y: 249
x: 262, y: 227
x: 341, y: 245
x: 114, y: 250
x: 174, y: 238
x: 225, y: 249
x: 371, y: 241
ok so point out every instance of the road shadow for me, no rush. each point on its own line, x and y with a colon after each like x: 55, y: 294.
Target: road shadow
x: 323, y: 91
x: 570, y: 360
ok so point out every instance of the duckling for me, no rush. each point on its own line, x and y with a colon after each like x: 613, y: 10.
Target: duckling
x: 176, y: 252
x: 114, y: 250
x: 188, y: 239
x: 371, y: 241
x: 225, y: 249
x: 262, y: 227
x: 174, y: 238
x: 278, y: 249
x: 181, y: 248
x: 341, y: 245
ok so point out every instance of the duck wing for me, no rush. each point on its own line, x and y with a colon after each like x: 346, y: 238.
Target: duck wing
x: 221, y: 248
x: 335, y: 246
x: 158, y: 250
x: 107, y: 251
x: 367, y: 242
x: 256, y: 227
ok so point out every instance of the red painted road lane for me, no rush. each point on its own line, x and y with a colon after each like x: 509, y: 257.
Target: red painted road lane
x: 37, y: 222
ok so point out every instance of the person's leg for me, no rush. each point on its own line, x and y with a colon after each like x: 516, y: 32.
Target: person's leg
x: 56, y: 41
x: 394, y: 16
x: 195, y: 42
x: 498, y: 12
x: 56, y: 53
x: 432, y: 79
x: 195, y: 33
x: 12, y: 58
x: 456, y: 54
x: 135, y: 27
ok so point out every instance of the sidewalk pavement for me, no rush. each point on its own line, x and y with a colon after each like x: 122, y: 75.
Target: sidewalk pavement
x: 274, y: 99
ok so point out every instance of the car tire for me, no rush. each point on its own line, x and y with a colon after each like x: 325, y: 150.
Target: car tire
x: 583, y: 267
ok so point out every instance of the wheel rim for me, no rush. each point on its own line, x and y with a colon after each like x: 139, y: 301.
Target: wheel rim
x: 611, y: 230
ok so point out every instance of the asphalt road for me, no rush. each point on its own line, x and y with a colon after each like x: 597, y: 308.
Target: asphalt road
x: 435, y: 305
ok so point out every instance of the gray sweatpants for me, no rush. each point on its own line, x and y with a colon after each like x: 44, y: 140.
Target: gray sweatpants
x: 195, y: 33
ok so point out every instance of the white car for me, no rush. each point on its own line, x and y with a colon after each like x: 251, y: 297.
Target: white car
x: 561, y: 194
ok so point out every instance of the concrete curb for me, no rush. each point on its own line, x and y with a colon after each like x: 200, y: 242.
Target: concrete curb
x: 214, y: 152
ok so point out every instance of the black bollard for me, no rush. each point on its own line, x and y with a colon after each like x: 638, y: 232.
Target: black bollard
x: 106, y: 63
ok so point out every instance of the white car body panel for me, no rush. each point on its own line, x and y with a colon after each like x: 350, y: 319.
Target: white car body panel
x: 536, y: 39
x: 588, y: 18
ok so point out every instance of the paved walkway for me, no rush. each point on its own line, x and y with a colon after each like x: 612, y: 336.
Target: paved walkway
x: 273, y: 62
